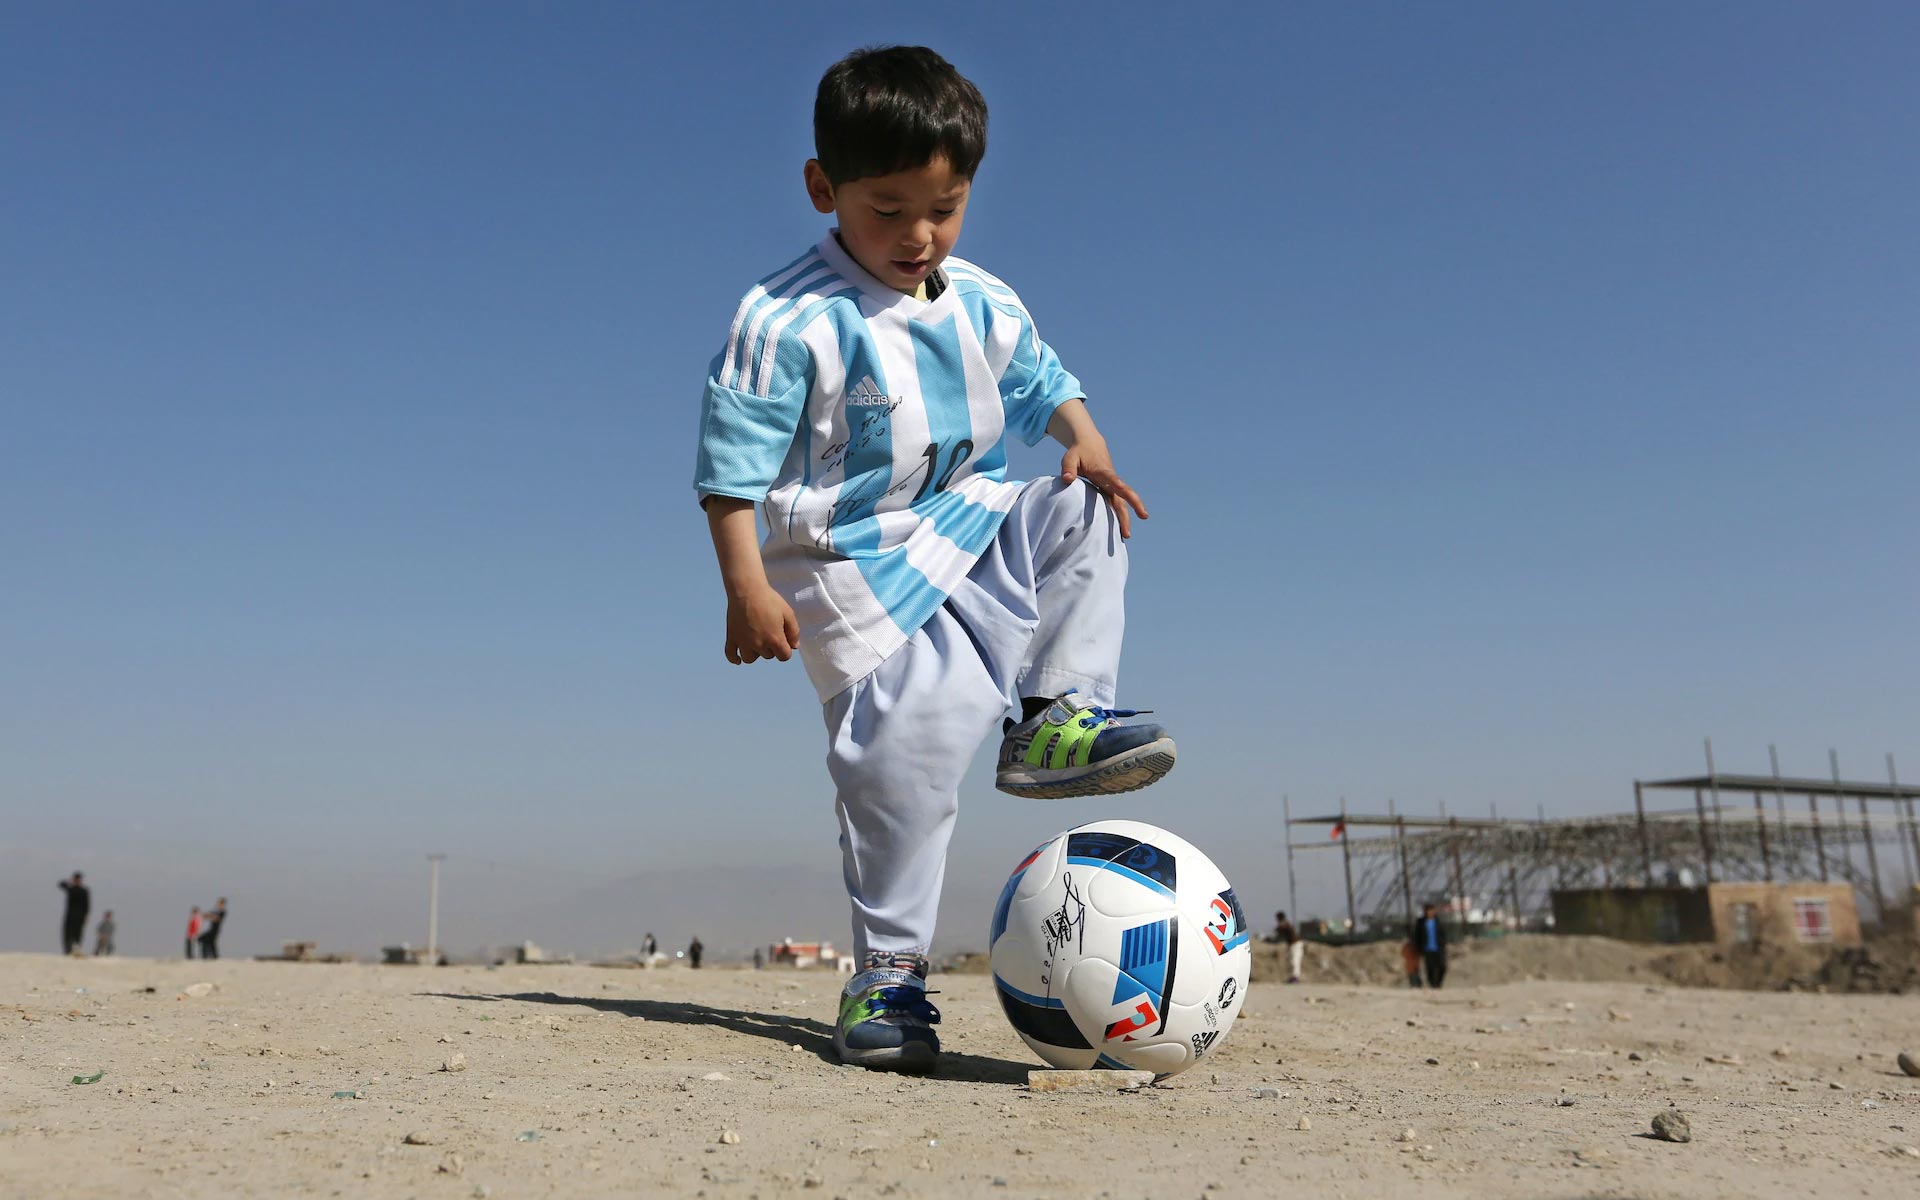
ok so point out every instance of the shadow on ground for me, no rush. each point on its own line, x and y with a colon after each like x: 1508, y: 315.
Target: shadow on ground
x: 816, y: 1037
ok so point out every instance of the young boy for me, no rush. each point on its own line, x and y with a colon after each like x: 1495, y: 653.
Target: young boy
x: 861, y: 401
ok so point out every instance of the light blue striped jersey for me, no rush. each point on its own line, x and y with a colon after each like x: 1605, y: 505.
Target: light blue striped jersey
x: 870, y: 426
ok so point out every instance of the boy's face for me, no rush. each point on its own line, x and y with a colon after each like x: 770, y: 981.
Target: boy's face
x: 899, y: 226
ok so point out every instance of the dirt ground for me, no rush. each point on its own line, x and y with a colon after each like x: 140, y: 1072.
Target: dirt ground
x: 307, y: 1080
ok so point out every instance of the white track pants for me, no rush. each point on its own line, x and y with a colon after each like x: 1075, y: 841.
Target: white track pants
x: 1042, y: 611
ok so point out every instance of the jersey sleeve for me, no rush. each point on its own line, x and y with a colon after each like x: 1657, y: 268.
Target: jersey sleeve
x: 756, y: 390
x: 1034, y: 383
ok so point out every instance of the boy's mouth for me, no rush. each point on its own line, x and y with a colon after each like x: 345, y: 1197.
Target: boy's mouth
x: 910, y: 266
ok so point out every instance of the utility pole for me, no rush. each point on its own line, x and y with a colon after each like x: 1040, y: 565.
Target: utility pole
x: 1346, y: 863
x: 433, y: 910
x: 1646, y: 847
x: 1866, y: 829
x: 1293, y: 897
x: 1713, y: 782
x: 1913, y: 831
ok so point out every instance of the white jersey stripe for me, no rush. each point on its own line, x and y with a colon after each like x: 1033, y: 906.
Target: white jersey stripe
x: 754, y: 296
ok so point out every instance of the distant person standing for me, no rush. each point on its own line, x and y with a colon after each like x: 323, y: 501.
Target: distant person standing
x: 210, y: 929
x: 1429, y: 937
x: 193, y: 928
x: 649, y: 947
x: 694, y: 951
x: 103, y: 935
x: 1287, y: 935
x: 73, y: 930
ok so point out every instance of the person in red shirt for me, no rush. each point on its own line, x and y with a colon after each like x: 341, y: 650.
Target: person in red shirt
x: 193, y: 929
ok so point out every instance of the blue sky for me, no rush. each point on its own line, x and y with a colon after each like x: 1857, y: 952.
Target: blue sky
x: 1521, y: 392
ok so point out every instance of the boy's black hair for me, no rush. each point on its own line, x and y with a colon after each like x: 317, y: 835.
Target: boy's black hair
x: 892, y: 108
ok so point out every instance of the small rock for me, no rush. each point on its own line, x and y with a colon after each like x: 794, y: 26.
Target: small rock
x: 1614, y: 1014
x: 453, y: 1165
x: 1563, y: 1102
x: 481, y: 1191
x: 715, y: 1077
x: 1303, y: 1124
x: 196, y: 990
x: 1474, y: 1065
x: 418, y: 1137
x: 455, y: 1062
x: 1266, y: 1093
x: 729, y: 1137
x: 1869, y: 1105
x: 1836, y: 1085
x: 1909, y: 1064
x: 1593, y: 1156
x: 1782, y: 1051
x: 1635, y: 1056
x: 1671, y: 1126
x: 1910, y: 1151
x: 1433, y: 1062
x: 1405, y: 1135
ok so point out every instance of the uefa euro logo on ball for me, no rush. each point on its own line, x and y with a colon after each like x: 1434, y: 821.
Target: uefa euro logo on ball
x: 1119, y: 945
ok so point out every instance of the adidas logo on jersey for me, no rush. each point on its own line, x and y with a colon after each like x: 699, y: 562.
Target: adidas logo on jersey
x: 867, y: 394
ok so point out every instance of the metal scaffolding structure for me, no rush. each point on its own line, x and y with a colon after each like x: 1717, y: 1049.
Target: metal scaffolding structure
x: 1504, y: 869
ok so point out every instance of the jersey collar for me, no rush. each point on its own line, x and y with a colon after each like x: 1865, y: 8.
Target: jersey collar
x: 884, y: 297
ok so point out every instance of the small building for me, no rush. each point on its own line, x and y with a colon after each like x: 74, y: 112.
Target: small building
x: 1728, y: 913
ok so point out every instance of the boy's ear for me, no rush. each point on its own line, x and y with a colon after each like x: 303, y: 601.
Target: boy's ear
x: 819, y: 187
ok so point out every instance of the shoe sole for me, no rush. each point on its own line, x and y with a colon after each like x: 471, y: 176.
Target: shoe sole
x: 914, y: 1058
x: 1129, y: 772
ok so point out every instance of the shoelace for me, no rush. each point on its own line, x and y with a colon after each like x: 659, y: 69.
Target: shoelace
x: 1094, y: 715
x: 905, y: 1001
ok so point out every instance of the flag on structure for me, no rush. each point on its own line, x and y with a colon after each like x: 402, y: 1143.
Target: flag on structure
x: 1339, y: 828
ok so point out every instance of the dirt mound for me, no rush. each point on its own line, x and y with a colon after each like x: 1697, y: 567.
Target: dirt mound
x: 1471, y: 963
x: 1885, y: 965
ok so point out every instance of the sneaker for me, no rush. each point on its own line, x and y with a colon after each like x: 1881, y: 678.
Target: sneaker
x: 1075, y: 748
x: 886, y: 1022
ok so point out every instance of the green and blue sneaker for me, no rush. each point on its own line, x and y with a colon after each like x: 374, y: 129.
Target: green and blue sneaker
x: 886, y: 1022
x: 1076, y: 748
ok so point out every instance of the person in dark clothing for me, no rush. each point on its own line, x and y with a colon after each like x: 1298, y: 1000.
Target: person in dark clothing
x: 210, y: 925
x: 694, y: 951
x: 103, y: 935
x: 73, y: 930
x: 1429, y: 937
x: 1288, y: 936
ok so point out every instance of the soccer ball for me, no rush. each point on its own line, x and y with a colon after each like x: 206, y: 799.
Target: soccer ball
x: 1117, y: 944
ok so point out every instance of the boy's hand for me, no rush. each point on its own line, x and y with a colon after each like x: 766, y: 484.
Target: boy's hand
x: 1087, y: 458
x: 760, y: 624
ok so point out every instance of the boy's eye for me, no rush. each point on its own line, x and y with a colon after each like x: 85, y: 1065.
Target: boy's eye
x: 885, y: 215
x: 943, y: 212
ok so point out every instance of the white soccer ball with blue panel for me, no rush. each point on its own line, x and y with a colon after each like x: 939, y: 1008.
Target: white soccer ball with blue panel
x: 1118, y: 944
